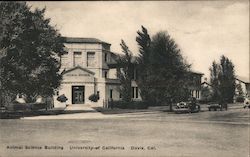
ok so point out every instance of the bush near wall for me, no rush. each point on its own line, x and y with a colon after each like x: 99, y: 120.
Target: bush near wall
x: 129, y: 105
x: 26, y: 106
x: 94, y: 97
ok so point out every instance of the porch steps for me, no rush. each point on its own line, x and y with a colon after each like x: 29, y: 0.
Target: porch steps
x: 82, y: 107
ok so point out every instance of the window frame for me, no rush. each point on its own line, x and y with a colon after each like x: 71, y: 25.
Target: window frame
x: 76, y: 54
x: 111, y: 93
x: 88, y: 58
x: 105, y: 57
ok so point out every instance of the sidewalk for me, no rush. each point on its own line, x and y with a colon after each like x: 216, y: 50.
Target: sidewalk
x: 76, y: 111
x: 86, y: 111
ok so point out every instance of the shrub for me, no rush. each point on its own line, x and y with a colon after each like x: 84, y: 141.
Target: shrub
x: 240, y: 99
x: 94, y: 97
x: 62, y: 98
x: 28, y: 106
x: 38, y: 106
x: 18, y: 107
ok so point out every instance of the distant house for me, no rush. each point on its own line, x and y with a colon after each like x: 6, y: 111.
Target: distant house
x: 245, y: 84
x: 195, y: 85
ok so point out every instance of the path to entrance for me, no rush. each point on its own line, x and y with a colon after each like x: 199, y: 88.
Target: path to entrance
x: 75, y: 111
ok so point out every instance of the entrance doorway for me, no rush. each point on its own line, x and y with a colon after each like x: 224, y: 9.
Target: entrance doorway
x: 77, y: 94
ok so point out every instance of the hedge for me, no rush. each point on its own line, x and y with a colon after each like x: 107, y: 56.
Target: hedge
x: 28, y: 106
x: 129, y: 105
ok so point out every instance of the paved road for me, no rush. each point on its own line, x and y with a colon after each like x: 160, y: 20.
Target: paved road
x: 209, y: 134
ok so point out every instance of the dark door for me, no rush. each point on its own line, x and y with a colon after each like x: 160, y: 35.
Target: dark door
x: 77, y: 94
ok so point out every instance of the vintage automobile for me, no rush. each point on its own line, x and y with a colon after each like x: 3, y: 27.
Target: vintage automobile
x: 186, y: 107
x: 217, y: 106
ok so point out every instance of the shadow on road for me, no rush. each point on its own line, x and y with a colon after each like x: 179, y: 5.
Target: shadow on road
x: 29, y: 113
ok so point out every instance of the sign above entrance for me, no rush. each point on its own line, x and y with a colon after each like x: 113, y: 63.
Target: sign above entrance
x: 77, y: 74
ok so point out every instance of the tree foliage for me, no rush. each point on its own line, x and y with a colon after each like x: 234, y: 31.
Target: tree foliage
x: 169, y: 72
x: 125, y: 72
x: 32, y: 47
x: 206, y: 94
x: 163, y: 72
x: 222, y: 77
x: 143, y: 40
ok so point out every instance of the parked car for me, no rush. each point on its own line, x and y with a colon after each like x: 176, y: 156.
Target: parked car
x: 246, y: 103
x: 187, y: 107
x: 217, y: 106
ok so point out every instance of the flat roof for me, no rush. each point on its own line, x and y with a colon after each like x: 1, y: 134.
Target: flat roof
x: 83, y: 40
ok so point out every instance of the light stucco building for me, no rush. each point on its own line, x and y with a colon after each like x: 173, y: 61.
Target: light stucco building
x: 89, y: 67
x: 85, y: 70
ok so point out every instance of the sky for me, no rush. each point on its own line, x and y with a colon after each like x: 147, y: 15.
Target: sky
x: 203, y: 30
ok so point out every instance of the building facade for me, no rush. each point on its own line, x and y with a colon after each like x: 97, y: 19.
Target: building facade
x: 85, y: 72
x: 89, y: 67
x: 195, y: 85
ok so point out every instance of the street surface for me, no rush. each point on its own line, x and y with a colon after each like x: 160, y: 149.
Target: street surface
x: 149, y: 133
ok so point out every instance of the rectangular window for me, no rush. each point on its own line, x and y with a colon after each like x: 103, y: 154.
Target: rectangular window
x: 77, y: 60
x: 192, y: 92
x: 105, y: 74
x: 106, y: 57
x: 136, y: 92
x: 111, y: 93
x: 133, y: 92
x: 91, y: 59
x: 65, y: 60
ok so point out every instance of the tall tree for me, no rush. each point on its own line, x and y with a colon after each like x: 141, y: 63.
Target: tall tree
x: 125, y: 72
x: 170, y: 72
x: 223, y: 79
x: 206, y: 94
x: 227, y: 79
x: 214, y: 74
x: 32, y: 47
x: 165, y: 72
x: 143, y: 40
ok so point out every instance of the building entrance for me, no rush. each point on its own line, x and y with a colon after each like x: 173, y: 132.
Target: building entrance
x: 78, y: 94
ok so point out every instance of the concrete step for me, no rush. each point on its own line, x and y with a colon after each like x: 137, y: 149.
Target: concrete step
x: 79, y: 107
